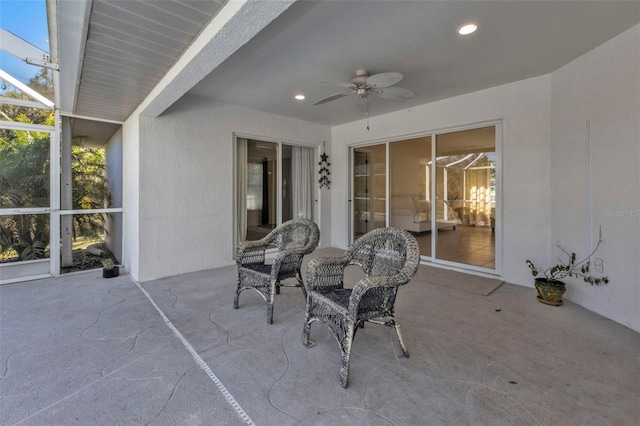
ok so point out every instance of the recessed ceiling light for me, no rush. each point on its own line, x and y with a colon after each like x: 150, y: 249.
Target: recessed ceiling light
x: 467, y: 29
x: 300, y: 97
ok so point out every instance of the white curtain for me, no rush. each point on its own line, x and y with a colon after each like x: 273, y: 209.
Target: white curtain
x: 302, y: 185
x: 241, y: 182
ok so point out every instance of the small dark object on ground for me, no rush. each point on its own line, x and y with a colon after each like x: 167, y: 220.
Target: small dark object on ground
x: 111, y: 273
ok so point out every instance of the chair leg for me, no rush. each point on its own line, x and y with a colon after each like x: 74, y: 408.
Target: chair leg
x: 270, y: 298
x: 306, y: 328
x: 299, y: 278
x: 393, y: 323
x: 405, y: 352
x: 346, y: 345
x: 344, y: 370
x: 269, y: 313
x: 237, y: 296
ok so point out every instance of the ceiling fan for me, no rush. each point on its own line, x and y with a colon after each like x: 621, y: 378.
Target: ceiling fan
x: 363, y: 85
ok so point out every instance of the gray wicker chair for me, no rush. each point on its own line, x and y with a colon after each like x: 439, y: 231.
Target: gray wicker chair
x: 293, y: 239
x: 389, y: 258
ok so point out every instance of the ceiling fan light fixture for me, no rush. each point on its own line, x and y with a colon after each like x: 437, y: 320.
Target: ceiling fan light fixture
x: 300, y: 97
x: 467, y: 29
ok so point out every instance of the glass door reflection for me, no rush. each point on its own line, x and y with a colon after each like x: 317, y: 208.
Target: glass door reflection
x: 369, y: 189
x: 466, y: 195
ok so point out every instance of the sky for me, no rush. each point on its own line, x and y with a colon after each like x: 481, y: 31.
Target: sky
x: 28, y: 20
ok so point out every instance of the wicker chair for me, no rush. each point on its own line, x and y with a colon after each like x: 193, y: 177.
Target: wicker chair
x: 389, y: 258
x: 293, y: 239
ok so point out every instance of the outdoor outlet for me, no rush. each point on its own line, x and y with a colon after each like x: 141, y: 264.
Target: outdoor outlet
x: 598, y: 266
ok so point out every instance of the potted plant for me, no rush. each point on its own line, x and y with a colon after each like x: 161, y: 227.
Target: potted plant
x: 548, y: 282
x: 109, y: 268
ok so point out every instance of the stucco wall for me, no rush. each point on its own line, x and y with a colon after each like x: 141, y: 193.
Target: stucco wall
x: 186, y: 182
x: 595, y: 153
x: 524, y: 109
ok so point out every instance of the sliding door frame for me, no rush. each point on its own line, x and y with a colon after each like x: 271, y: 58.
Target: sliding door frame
x: 279, y: 142
x: 497, y: 124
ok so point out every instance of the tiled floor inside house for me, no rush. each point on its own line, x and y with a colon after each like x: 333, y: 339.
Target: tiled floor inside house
x: 80, y: 350
x: 469, y: 245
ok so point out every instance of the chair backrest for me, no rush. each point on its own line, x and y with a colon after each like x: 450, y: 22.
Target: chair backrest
x: 386, y: 252
x: 296, y: 234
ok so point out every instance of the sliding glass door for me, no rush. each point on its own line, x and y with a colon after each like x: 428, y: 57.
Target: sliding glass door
x: 410, y: 188
x: 274, y: 183
x: 442, y: 189
x: 466, y: 194
x: 369, y: 189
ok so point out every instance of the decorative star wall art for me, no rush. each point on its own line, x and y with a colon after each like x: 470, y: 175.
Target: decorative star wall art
x: 324, y: 171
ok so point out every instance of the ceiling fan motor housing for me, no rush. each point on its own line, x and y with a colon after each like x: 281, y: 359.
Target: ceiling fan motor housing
x: 360, y: 79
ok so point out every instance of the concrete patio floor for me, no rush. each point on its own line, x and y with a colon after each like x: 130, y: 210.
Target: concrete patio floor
x: 84, y: 350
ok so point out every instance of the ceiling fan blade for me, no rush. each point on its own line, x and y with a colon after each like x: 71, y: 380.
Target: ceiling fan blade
x: 395, y: 92
x: 384, y: 79
x: 333, y: 98
x: 338, y: 84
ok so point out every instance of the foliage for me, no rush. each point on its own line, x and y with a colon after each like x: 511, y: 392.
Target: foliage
x: 24, y: 174
x: 84, y: 260
x: 108, y: 263
x: 24, y: 182
x: 24, y: 169
x: 24, y: 179
x: 90, y: 190
x: 569, y: 267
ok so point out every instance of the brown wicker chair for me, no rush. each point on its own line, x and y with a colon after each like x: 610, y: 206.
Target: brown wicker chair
x: 293, y: 239
x: 389, y: 258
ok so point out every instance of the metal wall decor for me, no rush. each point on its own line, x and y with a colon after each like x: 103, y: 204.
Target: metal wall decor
x: 324, y: 171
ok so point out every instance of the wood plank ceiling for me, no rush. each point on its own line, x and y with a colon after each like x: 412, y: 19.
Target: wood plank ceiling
x: 130, y: 46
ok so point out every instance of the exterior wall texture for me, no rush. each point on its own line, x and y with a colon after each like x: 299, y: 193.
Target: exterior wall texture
x: 595, y: 152
x: 187, y: 182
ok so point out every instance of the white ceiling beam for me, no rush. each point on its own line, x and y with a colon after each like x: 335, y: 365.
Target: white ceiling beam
x: 24, y: 50
x: 236, y: 23
x: 52, y: 21
x: 72, y: 18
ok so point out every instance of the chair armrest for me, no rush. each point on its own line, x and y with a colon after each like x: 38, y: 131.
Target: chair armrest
x: 295, y: 253
x: 284, y: 257
x: 326, y: 273
x: 380, y: 288
x: 251, y: 252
